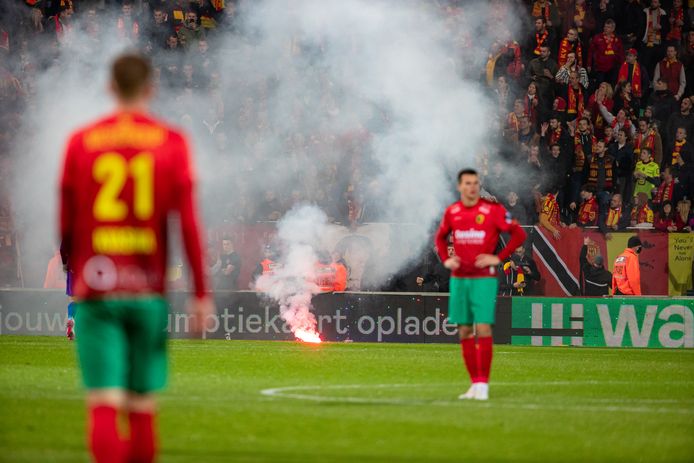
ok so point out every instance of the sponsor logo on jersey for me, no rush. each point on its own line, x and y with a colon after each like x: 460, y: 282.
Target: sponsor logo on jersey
x: 470, y: 236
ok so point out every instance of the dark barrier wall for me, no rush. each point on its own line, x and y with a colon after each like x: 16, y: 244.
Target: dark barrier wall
x: 360, y: 317
x: 404, y: 317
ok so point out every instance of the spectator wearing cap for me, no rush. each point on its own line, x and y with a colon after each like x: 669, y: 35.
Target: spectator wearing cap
x: 626, y: 276
x: 671, y: 71
x: 597, y: 281
x: 631, y: 71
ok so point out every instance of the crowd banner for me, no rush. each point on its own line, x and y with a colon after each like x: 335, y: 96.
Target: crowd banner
x: 560, y: 269
x: 681, y: 252
x: 603, y: 322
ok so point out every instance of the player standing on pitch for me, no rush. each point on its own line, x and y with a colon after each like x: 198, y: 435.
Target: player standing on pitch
x: 122, y: 177
x: 475, y: 224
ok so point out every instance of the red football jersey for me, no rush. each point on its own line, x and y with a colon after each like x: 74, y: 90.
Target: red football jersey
x: 122, y: 177
x: 475, y: 231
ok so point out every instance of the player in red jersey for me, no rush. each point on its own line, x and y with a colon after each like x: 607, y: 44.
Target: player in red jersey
x: 122, y: 177
x: 475, y: 224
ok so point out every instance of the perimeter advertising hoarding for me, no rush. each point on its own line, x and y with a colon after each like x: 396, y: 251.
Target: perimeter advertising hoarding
x: 360, y: 317
x: 603, y: 322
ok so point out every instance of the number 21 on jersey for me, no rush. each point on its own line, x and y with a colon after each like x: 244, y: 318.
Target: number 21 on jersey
x: 112, y: 170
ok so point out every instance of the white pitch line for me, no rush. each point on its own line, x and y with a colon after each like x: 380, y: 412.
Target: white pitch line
x: 285, y: 392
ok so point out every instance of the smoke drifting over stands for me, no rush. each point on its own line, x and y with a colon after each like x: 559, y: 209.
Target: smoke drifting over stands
x: 365, y: 109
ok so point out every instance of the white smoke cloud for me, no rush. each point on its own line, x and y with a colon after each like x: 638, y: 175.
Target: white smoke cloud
x: 318, y: 98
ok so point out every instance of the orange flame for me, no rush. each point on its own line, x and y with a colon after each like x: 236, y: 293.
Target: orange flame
x: 308, y: 336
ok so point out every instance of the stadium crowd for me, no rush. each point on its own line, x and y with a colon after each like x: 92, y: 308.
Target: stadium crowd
x: 593, y: 104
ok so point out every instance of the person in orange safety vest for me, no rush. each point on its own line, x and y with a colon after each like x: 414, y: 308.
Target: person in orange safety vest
x: 626, y: 275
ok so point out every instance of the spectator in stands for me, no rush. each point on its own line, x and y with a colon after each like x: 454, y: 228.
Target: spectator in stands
x: 646, y: 173
x: 513, y: 120
x: 548, y: 11
x: 616, y: 219
x: 637, y: 76
x: 555, y: 169
x: 684, y: 118
x: 626, y: 276
x: 605, y: 54
x: 578, y: 14
x: 648, y: 137
x: 601, y: 174
x: 519, y: 274
x: 656, y: 26
x: 527, y: 136
x: 575, y: 95
x: 583, y: 150
x: 267, y: 266
x: 686, y: 55
x: 679, y: 155
x: 159, y: 28
x: 570, y: 65
x: 127, y: 26
x: 531, y: 105
x: 191, y: 32
x: 625, y: 101
x: 665, y: 218
x: 623, y: 154
x: 542, y: 37
x: 671, y: 71
x: 517, y: 210
x: 604, y: 10
x: 618, y: 122
x: 676, y: 16
x: 588, y: 210
x: 571, y: 44
x: 669, y: 189
x: 663, y: 102
x: 631, y: 23
x: 552, y: 133
x: 435, y: 278
x: 504, y: 96
x: 609, y: 136
x: 603, y: 95
x: 641, y: 213
x: 542, y: 70
x: 228, y: 275
x: 684, y: 218
x: 60, y: 24
x: 549, y: 214
x: 597, y: 281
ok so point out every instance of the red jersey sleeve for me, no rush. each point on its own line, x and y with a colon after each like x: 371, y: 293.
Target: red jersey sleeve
x: 505, y: 223
x: 442, y: 237
x: 185, y: 203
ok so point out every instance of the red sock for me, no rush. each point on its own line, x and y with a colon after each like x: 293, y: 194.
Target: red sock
x: 104, y: 443
x: 142, y: 439
x: 470, y: 357
x: 484, y: 359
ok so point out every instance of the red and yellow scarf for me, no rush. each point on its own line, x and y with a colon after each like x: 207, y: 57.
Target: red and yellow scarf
x: 635, y: 78
x: 540, y: 41
x: 676, y: 31
x: 613, y: 217
x: 639, y: 141
x: 677, y: 150
x: 575, y: 103
x: 550, y: 208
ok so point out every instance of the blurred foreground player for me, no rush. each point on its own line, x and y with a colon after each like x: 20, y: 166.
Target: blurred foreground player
x: 475, y: 224
x: 122, y: 177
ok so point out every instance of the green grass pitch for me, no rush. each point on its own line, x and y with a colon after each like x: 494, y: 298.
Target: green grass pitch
x: 368, y: 403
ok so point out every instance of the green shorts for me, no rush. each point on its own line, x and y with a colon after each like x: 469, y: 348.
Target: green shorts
x: 472, y: 300
x: 122, y: 343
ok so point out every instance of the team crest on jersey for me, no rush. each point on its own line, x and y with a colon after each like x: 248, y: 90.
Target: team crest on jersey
x: 479, y: 220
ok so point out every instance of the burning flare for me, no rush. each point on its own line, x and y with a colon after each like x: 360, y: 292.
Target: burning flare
x: 310, y: 336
